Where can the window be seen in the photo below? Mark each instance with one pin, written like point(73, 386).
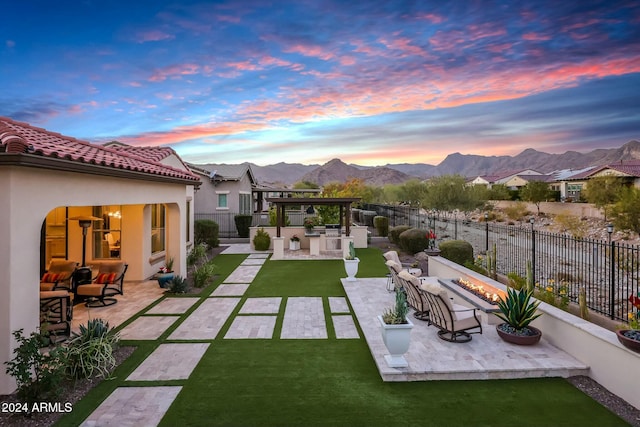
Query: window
point(157, 228)
point(222, 201)
point(245, 203)
point(106, 233)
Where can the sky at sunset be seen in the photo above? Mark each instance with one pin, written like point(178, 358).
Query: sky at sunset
point(369, 82)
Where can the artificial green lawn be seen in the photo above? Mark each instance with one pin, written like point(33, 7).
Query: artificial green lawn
point(334, 382)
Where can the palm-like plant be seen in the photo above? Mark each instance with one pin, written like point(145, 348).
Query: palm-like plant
point(517, 309)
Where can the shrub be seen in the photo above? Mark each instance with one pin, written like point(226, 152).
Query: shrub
point(273, 217)
point(90, 353)
point(382, 225)
point(572, 224)
point(206, 231)
point(203, 274)
point(197, 254)
point(458, 251)
point(37, 375)
point(413, 240)
point(516, 211)
point(243, 222)
point(261, 240)
point(395, 232)
point(178, 285)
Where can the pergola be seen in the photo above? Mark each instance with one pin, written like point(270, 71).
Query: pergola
point(343, 202)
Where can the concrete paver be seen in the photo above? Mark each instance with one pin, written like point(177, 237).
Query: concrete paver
point(173, 306)
point(245, 327)
point(206, 321)
point(170, 362)
point(147, 327)
point(304, 318)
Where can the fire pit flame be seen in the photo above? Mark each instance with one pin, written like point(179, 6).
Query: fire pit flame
point(492, 296)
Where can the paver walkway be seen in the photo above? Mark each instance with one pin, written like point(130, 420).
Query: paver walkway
point(303, 318)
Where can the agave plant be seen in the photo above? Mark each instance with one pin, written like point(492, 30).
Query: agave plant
point(517, 309)
point(397, 315)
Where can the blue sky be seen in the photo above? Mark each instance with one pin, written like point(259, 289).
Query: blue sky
point(308, 81)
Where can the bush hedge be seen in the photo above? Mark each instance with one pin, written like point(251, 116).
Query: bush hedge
point(382, 225)
point(395, 232)
point(262, 240)
point(206, 231)
point(413, 240)
point(458, 251)
point(243, 222)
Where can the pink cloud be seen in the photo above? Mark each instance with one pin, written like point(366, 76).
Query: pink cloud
point(152, 36)
point(431, 17)
point(174, 71)
point(312, 51)
point(535, 37)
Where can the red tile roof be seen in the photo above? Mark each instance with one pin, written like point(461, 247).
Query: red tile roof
point(629, 167)
point(17, 137)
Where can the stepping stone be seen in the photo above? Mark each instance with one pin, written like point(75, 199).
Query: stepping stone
point(173, 306)
point(170, 362)
point(243, 274)
point(230, 290)
point(253, 261)
point(206, 321)
point(344, 327)
point(245, 327)
point(304, 318)
point(258, 256)
point(147, 327)
point(338, 305)
point(266, 305)
point(133, 406)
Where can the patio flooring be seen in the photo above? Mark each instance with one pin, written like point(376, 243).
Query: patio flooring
point(485, 357)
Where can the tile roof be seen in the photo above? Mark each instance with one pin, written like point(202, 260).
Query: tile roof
point(22, 138)
point(629, 167)
point(225, 172)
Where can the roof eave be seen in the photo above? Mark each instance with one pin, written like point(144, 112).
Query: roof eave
point(30, 160)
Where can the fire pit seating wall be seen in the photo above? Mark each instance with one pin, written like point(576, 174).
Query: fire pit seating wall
point(610, 363)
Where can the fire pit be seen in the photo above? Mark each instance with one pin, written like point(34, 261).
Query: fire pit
point(486, 292)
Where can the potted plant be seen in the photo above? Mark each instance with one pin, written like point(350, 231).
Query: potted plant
point(309, 223)
point(431, 249)
point(518, 311)
point(629, 336)
point(351, 263)
point(165, 274)
point(396, 331)
point(294, 243)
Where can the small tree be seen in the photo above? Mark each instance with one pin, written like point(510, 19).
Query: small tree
point(626, 212)
point(604, 192)
point(536, 192)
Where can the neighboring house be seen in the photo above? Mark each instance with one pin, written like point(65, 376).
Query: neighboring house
point(225, 188)
point(628, 171)
point(142, 199)
point(511, 179)
point(516, 182)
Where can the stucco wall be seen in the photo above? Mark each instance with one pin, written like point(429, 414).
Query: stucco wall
point(28, 194)
point(574, 209)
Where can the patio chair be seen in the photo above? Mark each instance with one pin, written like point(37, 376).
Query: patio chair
point(108, 282)
point(58, 276)
point(453, 321)
point(56, 312)
point(415, 298)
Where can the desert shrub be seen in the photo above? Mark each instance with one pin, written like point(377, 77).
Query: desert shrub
point(243, 222)
point(572, 225)
point(90, 352)
point(382, 225)
point(197, 254)
point(395, 232)
point(262, 240)
point(203, 274)
point(516, 211)
point(178, 285)
point(206, 231)
point(516, 281)
point(458, 251)
point(413, 240)
point(38, 375)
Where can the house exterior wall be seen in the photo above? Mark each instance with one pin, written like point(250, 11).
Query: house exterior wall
point(29, 194)
point(206, 198)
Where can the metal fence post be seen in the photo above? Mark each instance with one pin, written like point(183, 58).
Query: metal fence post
point(533, 252)
point(486, 233)
point(613, 279)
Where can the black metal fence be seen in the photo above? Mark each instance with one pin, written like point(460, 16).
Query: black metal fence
point(227, 224)
point(608, 271)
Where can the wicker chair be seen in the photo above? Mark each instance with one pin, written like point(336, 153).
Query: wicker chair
point(108, 282)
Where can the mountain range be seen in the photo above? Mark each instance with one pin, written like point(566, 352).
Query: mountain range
point(468, 165)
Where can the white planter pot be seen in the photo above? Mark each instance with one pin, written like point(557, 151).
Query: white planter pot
point(397, 339)
point(351, 267)
point(293, 245)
